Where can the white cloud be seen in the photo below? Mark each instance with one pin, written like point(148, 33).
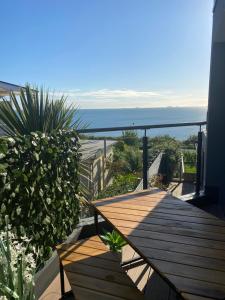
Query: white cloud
point(124, 98)
point(112, 94)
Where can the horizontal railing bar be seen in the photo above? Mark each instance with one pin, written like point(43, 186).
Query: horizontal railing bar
point(141, 127)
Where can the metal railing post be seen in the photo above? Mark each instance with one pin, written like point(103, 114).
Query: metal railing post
point(199, 164)
point(145, 161)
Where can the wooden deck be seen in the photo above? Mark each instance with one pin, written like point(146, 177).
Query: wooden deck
point(95, 273)
point(183, 244)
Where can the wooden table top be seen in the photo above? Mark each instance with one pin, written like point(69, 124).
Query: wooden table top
point(182, 243)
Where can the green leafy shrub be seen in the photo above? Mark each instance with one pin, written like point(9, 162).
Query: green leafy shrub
point(122, 184)
point(190, 142)
point(171, 149)
point(130, 138)
point(114, 241)
point(190, 157)
point(126, 159)
point(39, 187)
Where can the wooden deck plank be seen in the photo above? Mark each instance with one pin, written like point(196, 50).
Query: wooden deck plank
point(174, 211)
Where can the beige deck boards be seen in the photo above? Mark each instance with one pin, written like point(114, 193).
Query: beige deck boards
point(182, 243)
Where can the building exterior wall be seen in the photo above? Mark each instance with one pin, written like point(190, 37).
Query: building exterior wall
point(215, 162)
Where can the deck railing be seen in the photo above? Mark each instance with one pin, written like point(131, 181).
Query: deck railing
point(145, 128)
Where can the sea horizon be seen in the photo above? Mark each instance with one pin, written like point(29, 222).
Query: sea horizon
point(120, 117)
point(157, 107)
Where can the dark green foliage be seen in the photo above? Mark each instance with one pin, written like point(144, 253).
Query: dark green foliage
point(39, 187)
point(114, 241)
point(130, 138)
point(191, 141)
point(171, 149)
point(34, 111)
point(190, 157)
point(126, 160)
point(122, 184)
point(133, 161)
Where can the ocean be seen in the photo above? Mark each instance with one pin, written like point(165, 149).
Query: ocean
point(96, 118)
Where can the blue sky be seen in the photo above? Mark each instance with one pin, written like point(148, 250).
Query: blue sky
point(110, 53)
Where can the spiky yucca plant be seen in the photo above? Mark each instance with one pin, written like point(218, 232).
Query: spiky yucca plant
point(34, 110)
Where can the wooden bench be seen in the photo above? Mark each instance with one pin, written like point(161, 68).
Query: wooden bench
point(94, 272)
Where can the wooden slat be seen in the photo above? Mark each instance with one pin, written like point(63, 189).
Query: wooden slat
point(111, 288)
point(95, 271)
point(164, 222)
point(88, 251)
point(186, 259)
point(179, 248)
point(197, 287)
point(181, 235)
point(151, 194)
point(194, 297)
point(101, 261)
point(89, 244)
point(166, 216)
point(166, 229)
point(152, 201)
point(84, 293)
point(183, 270)
point(127, 232)
point(174, 211)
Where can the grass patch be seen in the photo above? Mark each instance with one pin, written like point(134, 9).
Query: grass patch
point(189, 169)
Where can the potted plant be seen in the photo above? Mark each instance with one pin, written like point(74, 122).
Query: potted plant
point(114, 241)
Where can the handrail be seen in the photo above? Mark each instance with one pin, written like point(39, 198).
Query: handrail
point(141, 127)
point(145, 144)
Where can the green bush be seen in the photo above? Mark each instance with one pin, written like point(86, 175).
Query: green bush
point(126, 159)
point(171, 149)
point(39, 187)
point(122, 184)
point(190, 142)
point(190, 157)
point(130, 138)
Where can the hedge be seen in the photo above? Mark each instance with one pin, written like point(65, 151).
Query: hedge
point(39, 187)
